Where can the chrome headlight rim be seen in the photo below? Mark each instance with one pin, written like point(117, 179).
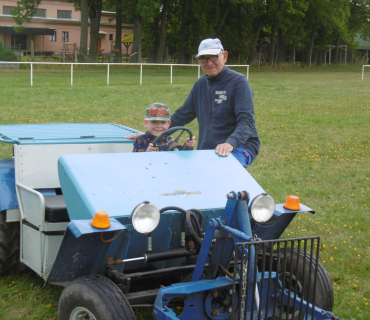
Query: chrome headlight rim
point(265, 202)
point(145, 213)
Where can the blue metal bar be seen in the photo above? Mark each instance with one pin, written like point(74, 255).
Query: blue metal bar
point(206, 246)
point(318, 314)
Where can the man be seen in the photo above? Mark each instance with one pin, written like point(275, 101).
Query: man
point(222, 101)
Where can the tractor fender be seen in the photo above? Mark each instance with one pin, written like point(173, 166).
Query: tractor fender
point(8, 195)
point(84, 250)
point(275, 227)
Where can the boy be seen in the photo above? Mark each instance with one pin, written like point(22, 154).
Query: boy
point(157, 120)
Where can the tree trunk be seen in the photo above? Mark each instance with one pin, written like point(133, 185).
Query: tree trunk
point(184, 22)
point(222, 22)
point(318, 61)
point(337, 50)
point(162, 33)
point(292, 52)
point(275, 26)
point(118, 50)
point(152, 57)
point(84, 30)
point(315, 58)
point(253, 45)
point(95, 15)
point(310, 48)
point(138, 36)
point(280, 46)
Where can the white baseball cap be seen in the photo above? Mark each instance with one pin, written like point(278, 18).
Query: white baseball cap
point(210, 46)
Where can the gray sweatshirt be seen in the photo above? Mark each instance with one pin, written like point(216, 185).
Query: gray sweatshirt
point(224, 108)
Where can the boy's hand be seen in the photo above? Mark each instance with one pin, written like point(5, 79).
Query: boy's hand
point(134, 135)
point(151, 148)
point(190, 143)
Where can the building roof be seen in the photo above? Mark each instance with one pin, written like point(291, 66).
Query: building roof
point(27, 30)
point(70, 21)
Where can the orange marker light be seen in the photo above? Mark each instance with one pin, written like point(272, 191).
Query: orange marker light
point(101, 220)
point(292, 203)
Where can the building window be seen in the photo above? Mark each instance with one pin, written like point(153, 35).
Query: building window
point(40, 13)
point(6, 10)
point(111, 37)
point(65, 35)
point(64, 14)
point(53, 37)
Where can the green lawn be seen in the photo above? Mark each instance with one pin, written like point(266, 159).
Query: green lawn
point(314, 129)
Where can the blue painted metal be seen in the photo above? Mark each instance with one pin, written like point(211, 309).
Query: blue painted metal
point(112, 183)
point(117, 183)
point(275, 227)
point(164, 241)
point(8, 196)
point(206, 246)
point(63, 133)
point(229, 218)
point(82, 256)
point(318, 313)
point(80, 227)
point(192, 294)
point(198, 294)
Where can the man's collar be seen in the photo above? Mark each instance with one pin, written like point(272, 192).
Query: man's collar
point(219, 76)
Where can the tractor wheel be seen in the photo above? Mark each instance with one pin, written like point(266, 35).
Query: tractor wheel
point(324, 295)
point(94, 297)
point(9, 247)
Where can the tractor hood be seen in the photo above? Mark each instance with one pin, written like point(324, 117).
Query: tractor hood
point(117, 183)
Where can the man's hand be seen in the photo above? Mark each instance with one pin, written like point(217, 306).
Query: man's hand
point(151, 148)
point(224, 149)
point(134, 135)
point(190, 143)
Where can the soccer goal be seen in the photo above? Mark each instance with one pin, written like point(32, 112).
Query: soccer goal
point(363, 70)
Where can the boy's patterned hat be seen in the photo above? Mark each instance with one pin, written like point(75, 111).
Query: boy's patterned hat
point(157, 111)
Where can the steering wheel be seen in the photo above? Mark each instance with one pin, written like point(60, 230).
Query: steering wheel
point(173, 144)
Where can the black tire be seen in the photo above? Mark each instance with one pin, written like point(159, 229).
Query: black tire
point(324, 295)
point(97, 296)
point(9, 247)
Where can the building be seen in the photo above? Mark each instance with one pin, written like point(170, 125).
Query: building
point(363, 47)
point(55, 22)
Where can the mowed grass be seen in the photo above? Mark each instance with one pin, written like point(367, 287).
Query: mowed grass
point(315, 143)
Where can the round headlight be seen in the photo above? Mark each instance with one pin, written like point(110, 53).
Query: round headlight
point(262, 207)
point(145, 217)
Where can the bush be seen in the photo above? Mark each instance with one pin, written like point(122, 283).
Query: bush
point(8, 55)
point(1, 47)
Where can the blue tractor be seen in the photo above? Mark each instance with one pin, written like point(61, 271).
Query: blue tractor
point(189, 234)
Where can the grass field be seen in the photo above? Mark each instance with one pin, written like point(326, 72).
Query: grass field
point(314, 129)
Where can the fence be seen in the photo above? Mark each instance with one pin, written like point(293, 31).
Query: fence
point(119, 64)
point(363, 70)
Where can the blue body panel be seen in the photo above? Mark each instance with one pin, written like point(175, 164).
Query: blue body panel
point(65, 133)
point(8, 196)
point(80, 227)
point(117, 183)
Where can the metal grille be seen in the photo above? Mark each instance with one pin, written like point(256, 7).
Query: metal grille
point(271, 277)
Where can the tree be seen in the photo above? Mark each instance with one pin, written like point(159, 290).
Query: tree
point(95, 15)
point(84, 29)
point(24, 11)
point(141, 12)
point(118, 44)
point(184, 22)
point(162, 33)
